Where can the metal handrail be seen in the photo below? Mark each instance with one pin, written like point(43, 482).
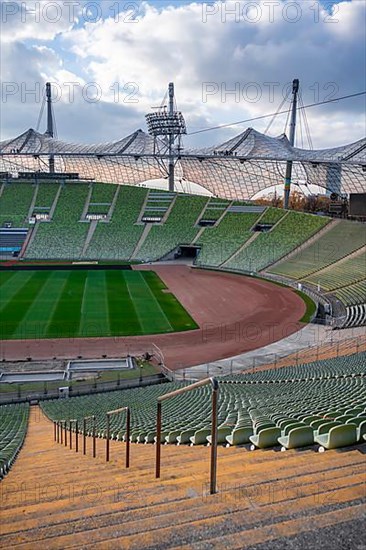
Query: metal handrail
point(127, 436)
point(64, 430)
point(92, 417)
point(74, 421)
point(215, 394)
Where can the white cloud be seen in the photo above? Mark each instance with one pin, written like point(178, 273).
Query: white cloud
point(175, 44)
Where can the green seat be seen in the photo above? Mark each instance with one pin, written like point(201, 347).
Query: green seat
point(355, 411)
point(310, 419)
point(239, 436)
point(259, 427)
point(344, 418)
point(286, 430)
point(316, 423)
point(266, 438)
point(222, 433)
point(298, 437)
point(357, 420)
point(338, 436)
point(200, 436)
point(150, 437)
point(325, 427)
point(141, 437)
point(185, 436)
point(172, 436)
point(286, 422)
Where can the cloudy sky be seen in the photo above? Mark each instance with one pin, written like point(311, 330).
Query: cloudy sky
point(111, 61)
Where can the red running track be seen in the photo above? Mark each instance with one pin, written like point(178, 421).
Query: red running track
point(235, 314)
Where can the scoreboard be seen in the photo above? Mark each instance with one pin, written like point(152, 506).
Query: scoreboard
point(357, 205)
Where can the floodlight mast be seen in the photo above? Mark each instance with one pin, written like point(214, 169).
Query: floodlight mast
point(171, 125)
point(295, 90)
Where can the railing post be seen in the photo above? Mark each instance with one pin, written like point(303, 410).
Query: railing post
point(158, 441)
point(128, 428)
point(107, 441)
point(213, 469)
point(76, 436)
point(58, 432)
point(94, 441)
point(61, 431)
point(65, 426)
point(54, 430)
point(84, 436)
point(70, 421)
point(214, 430)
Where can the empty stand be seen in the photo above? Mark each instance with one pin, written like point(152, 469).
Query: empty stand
point(13, 427)
point(325, 389)
point(342, 239)
point(291, 231)
point(15, 202)
point(64, 236)
point(68, 499)
point(177, 229)
point(117, 239)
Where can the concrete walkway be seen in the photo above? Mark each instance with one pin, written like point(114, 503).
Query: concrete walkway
point(310, 336)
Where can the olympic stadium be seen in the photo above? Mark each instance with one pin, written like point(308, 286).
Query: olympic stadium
point(160, 347)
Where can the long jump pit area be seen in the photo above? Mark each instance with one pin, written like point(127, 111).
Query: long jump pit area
point(235, 314)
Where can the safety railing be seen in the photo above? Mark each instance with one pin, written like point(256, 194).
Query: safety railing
point(127, 436)
point(74, 421)
point(215, 396)
point(60, 433)
point(85, 420)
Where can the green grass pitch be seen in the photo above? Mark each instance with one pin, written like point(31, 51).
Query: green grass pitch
point(87, 303)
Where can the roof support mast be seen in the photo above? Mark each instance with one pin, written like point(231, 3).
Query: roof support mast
point(50, 131)
point(295, 90)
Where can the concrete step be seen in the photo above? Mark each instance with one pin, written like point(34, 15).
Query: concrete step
point(58, 498)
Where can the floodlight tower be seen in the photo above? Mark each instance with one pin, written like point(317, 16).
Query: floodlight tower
point(171, 126)
point(295, 90)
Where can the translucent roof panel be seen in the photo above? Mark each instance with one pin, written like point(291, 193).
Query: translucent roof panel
point(237, 169)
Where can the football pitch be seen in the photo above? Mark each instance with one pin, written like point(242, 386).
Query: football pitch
point(87, 303)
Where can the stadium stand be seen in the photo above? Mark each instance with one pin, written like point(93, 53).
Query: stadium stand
point(292, 230)
point(117, 239)
point(239, 236)
point(302, 396)
point(353, 294)
point(221, 241)
point(46, 194)
point(157, 204)
point(15, 202)
point(214, 209)
point(262, 501)
point(341, 240)
point(344, 273)
point(266, 222)
point(179, 228)
point(64, 236)
point(101, 198)
point(13, 427)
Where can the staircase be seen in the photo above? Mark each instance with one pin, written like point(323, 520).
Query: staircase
point(55, 498)
point(91, 231)
point(141, 240)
